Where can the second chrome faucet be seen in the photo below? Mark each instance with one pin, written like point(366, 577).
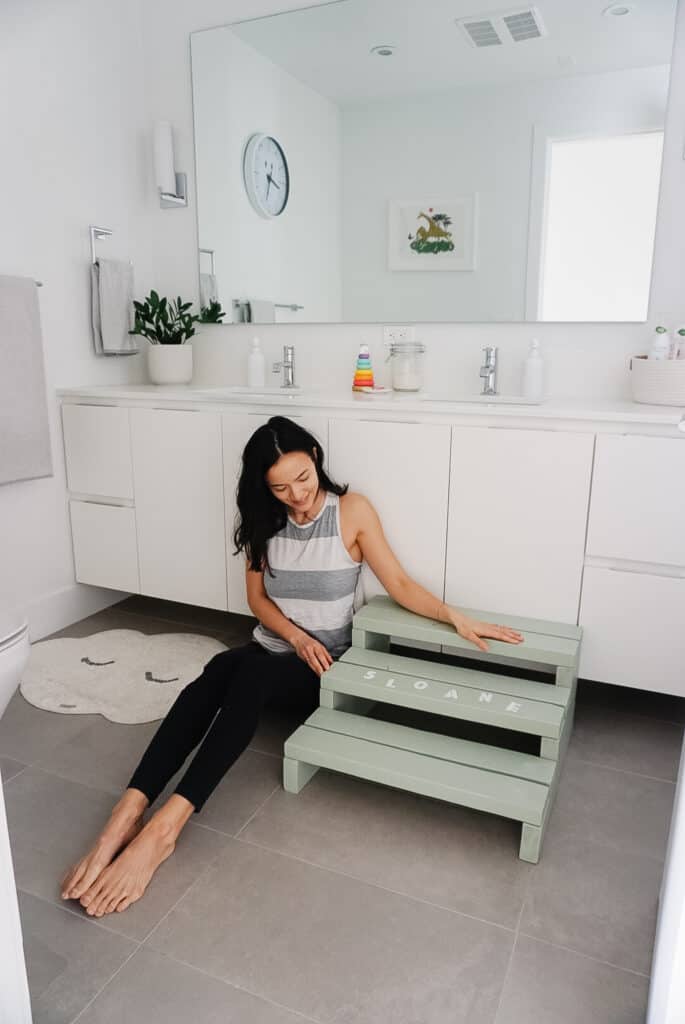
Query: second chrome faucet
point(287, 364)
point(488, 371)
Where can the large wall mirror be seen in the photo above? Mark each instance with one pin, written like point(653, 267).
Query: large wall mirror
point(432, 160)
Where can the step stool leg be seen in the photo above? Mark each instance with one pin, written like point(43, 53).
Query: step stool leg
point(296, 774)
point(370, 641)
point(531, 843)
point(549, 748)
point(564, 676)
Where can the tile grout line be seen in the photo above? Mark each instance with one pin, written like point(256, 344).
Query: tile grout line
point(206, 869)
point(621, 771)
point(234, 835)
point(513, 947)
point(257, 810)
point(375, 885)
point(586, 956)
point(235, 985)
point(585, 704)
point(108, 982)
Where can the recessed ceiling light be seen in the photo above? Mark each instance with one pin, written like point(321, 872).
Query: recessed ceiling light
point(384, 50)
point(618, 10)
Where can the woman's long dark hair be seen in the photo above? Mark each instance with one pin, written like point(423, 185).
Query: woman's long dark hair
point(261, 514)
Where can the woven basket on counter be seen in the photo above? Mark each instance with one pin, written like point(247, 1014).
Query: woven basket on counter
point(658, 381)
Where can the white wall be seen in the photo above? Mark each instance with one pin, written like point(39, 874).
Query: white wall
point(295, 257)
point(458, 143)
point(80, 84)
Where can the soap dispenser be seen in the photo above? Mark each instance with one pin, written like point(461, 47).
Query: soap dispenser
point(256, 366)
point(534, 373)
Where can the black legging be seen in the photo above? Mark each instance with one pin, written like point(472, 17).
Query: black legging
point(237, 684)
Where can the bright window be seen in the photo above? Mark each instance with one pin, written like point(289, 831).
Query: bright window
point(598, 233)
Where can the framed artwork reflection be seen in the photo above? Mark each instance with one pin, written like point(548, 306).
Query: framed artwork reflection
point(432, 234)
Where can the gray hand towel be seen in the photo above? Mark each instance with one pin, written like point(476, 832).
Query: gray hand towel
point(208, 290)
point(112, 307)
point(24, 429)
point(261, 311)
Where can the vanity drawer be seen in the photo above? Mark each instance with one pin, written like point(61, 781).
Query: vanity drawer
point(638, 500)
point(105, 548)
point(633, 631)
point(97, 448)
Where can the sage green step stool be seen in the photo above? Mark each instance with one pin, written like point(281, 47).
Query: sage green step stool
point(340, 737)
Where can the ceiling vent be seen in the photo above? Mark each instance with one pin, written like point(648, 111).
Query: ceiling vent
point(504, 27)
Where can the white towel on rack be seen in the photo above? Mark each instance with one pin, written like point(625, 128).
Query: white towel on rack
point(25, 452)
point(261, 311)
point(208, 290)
point(112, 307)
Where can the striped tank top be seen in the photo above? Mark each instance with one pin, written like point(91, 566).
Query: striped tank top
point(316, 582)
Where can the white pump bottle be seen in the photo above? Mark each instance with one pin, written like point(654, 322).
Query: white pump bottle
point(534, 373)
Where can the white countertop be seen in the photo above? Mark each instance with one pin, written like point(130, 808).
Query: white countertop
point(394, 405)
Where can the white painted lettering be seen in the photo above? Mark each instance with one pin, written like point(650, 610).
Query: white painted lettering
point(514, 706)
point(369, 675)
point(452, 694)
point(391, 684)
point(420, 684)
point(485, 698)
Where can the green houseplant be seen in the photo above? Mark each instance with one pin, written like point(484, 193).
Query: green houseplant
point(211, 314)
point(167, 325)
point(163, 322)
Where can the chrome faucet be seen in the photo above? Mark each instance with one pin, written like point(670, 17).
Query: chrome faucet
point(488, 371)
point(287, 364)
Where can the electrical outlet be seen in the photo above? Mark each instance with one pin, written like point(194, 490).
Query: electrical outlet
point(398, 332)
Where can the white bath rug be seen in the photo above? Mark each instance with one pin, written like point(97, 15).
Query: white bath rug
point(125, 675)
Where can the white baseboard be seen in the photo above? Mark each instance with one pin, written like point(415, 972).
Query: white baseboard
point(60, 609)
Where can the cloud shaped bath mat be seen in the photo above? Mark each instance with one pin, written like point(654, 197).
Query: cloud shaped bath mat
point(127, 676)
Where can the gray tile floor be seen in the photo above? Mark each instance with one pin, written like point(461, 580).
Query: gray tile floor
point(351, 903)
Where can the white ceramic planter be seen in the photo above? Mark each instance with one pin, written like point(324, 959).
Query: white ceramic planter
point(170, 364)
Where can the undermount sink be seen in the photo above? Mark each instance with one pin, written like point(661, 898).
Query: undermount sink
point(273, 392)
point(483, 399)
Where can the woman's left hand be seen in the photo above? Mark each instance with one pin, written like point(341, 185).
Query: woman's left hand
point(473, 630)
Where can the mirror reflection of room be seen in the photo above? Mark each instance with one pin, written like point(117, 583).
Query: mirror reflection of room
point(426, 160)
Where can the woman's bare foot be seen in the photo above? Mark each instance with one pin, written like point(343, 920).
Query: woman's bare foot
point(125, 880)
point(126, 821)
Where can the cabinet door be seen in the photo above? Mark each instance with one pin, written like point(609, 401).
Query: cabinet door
point(179, 505)
point(403, 469)
point(637, 511)
point(97, 450)
point(517, 519)
point(105, 550)
point(633, 630)
point(237, 430)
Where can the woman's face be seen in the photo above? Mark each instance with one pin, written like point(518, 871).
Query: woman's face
point(293, 480)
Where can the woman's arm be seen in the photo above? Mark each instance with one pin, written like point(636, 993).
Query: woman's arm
point(408, 592)
point(306, 647)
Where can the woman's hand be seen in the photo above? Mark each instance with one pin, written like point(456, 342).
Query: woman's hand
point(312, 652)
point(473, 630)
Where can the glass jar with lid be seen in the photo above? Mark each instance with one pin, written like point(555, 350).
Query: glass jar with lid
point(407, 365)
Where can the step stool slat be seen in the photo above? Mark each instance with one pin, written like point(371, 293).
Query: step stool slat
point(382, 615)
point(446, 748)
point(471, 787)
point(426, 694)
point(544, 627)
point(510, 685)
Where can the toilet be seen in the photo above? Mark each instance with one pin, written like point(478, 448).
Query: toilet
point(14, 652)
point(15, 1003)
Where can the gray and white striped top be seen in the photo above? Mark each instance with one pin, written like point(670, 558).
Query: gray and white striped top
point(315, 582)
